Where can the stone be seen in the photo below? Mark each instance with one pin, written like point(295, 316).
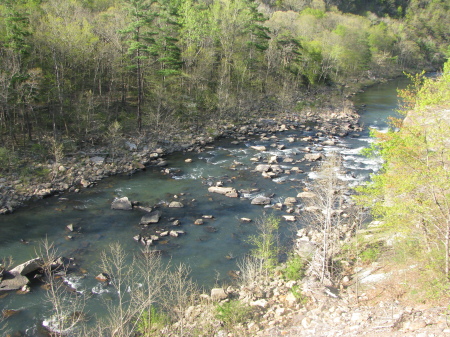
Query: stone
point(306, 195)
point(122, 204)
point(290, 201)
point(151, 218)
point(28, 267)
point(261, 200)
point(173, 234)
point(70, 227)
point(246, 220)
point(188, 160)
point(176, 204)
point(13, 281)
point(258, 147)
point(97, 160)
point(274, 159)
point(218, 294)
point(262, 168)
point(289, 217)
point(260, 303)
point(199, 222)
point(313, 156)
point(130, 146)
point(227, 191)
point(6, 313)
point(102, 277)
point(291, 299)
point(329, 142)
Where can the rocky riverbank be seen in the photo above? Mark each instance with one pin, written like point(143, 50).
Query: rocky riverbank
point(84, 169)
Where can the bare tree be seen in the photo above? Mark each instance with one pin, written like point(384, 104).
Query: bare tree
point(324, 214)
point(138, 283)
point(181, 292)
point(67, 306)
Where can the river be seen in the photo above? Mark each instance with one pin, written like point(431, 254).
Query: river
point(207, 248)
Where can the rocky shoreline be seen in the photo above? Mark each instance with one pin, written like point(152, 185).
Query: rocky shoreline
point(84, 169)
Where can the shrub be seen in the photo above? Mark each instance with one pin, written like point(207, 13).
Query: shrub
point(151, 321)
point(295, 268)
point(232, 313)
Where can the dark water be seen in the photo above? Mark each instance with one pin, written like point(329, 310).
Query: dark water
point(204, 248)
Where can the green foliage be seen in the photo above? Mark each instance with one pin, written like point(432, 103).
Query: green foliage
point(295, 268)
point(232, 313)
point(370, 254)
point(412, 193)
point(8, 160)
point(70, 68)
point(151, 321)
point(296, 291)
point(265, 242)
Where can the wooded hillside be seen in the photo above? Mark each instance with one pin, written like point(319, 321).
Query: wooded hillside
point(69, 70)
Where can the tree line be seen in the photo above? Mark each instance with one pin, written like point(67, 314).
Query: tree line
point(70, 69)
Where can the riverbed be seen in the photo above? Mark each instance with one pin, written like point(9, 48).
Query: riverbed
point(212, 249)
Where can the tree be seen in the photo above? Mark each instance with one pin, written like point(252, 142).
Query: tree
point(411, 194)
point(324, 213)
point(141, 38)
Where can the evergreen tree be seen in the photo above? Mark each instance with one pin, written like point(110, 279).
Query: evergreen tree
point(141, 41)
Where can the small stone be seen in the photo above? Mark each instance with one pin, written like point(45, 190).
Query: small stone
point(102, 277)
point(259, 303)
point(198, 222)
point(188, 160)
point(176, 204)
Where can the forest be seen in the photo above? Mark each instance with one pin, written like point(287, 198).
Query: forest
point(73, 70)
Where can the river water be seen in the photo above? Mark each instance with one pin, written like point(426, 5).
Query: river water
point(207, 248)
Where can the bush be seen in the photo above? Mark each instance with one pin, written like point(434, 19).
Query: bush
point(295, 268)
point(151, 321)
point(232, 313)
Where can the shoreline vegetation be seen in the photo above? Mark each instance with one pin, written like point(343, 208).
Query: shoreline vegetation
point(111, 77)
point(91, 89)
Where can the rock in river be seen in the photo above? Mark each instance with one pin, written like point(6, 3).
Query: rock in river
point(122, 204)
point(176, 204)
point(261, 201)
point(227, 191)
point(151, 218)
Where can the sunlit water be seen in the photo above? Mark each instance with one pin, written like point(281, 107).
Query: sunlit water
point(206, 248)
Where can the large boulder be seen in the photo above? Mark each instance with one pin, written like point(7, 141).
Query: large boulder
point(13, 281)
point(151, 218)
point(122, 204)
point(28, 267)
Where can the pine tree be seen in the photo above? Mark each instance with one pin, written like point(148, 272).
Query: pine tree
point(141, 44)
